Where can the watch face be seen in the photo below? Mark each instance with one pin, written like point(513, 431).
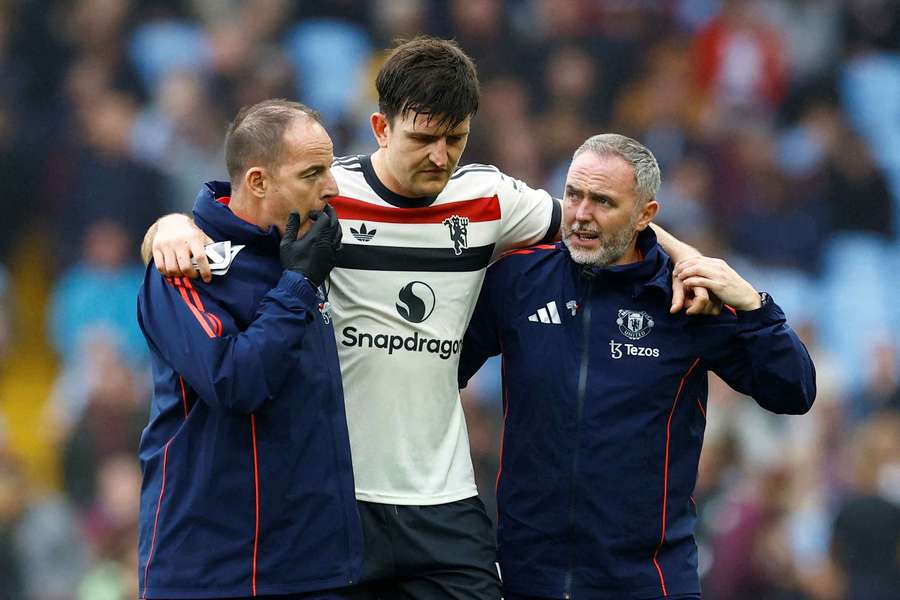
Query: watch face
point(764, 298)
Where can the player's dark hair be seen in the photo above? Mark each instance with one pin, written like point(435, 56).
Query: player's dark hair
point(256, 135)
point(431, 77)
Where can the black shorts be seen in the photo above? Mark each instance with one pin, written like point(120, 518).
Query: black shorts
point(440, 552)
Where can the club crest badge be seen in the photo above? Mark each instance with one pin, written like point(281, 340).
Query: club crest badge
point(459, 232)
point(634, 324)
point(325, 309)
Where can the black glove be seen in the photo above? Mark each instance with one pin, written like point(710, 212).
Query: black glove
point(313, 254)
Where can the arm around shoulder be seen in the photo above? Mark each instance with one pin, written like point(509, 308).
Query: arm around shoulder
point(173, 242)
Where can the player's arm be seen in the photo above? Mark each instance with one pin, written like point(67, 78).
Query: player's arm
point(172, 242)
point(482, 339)
point(528, 216)
point(760, 354)
point(189, 328)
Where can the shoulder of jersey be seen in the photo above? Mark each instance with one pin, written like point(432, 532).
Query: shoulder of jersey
point(474, 169)
point(348, 163)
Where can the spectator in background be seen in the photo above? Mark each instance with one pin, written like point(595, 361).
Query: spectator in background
point(92, 175)
point(98, 293)
point(44, 532)
point(110, 421)
point(881, 391)
point(856, 194)
point(685, 202)
point(866, 533)
point(739, 61)
point(180, 135)
point(110, 527)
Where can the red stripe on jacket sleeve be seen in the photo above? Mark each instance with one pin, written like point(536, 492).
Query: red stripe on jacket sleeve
point(195, 305)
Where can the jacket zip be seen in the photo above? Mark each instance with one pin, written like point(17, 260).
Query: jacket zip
point(322, 294)
point(582, 392)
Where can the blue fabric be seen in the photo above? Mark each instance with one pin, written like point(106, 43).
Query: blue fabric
point(605, 415)
point(248, 485)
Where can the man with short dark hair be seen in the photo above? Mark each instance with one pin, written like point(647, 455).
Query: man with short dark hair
point(419, 236)
point(604, 390)
point(246, 457)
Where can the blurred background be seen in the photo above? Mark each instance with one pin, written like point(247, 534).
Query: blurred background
point(777, 126)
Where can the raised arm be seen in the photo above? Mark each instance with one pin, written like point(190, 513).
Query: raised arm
point(172, 242)
point(762, 356)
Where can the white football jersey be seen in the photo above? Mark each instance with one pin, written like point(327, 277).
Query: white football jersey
point(401, 295)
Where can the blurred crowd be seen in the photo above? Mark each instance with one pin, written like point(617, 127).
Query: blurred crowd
point(777, 127)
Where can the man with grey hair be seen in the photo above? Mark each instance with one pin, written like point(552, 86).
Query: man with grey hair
point(604, 389)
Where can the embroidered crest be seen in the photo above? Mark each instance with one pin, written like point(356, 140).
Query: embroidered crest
point(634, 324)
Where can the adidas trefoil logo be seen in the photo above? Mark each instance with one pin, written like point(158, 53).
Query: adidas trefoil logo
point(363, 234)
point(546, 314)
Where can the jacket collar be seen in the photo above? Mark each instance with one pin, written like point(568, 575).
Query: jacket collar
point(651, 272)
point(219, 223)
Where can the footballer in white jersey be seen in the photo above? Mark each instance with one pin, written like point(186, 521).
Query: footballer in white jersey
point(402, 293)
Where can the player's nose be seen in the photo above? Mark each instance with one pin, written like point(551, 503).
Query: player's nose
point(438, 153)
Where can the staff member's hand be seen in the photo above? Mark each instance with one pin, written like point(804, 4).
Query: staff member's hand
point(695, 301)
point(715, 275)
point(312, 255)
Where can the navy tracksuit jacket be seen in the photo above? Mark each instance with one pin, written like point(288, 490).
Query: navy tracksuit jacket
point(248, 484)
point(604, 397)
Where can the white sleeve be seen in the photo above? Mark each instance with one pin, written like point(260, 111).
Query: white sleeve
point(527, 216)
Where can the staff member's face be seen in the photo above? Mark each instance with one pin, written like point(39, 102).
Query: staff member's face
point(301, 181)
point(419, 155)
point(602, 213)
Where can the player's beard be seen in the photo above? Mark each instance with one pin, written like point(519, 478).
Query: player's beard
point(612, 245)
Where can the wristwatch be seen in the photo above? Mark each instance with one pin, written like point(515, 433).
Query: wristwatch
point(764, 299)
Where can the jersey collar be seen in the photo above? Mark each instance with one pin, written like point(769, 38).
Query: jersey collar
point(387, 195)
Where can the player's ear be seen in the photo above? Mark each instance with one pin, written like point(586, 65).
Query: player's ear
point(380, 127)
point(648, 213)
